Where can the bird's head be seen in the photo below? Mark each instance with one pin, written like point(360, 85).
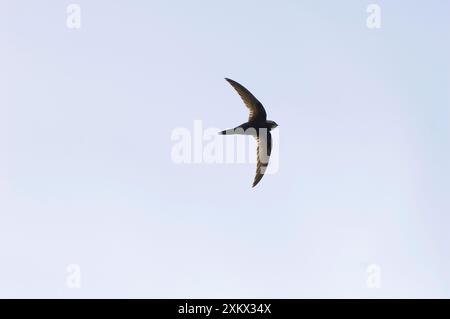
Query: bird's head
point(273, 124)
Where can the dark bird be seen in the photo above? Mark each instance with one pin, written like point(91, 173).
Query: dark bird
point(257, 126)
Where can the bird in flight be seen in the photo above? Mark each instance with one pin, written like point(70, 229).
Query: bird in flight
point(257, 126)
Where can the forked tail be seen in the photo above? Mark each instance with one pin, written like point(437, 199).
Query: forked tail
point(230, 131)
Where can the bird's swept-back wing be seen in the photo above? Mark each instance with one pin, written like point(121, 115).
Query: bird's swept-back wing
point(263, 150)
point(256, 109)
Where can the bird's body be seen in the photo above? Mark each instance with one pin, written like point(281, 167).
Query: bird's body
point(249, 126)
point(257, 126)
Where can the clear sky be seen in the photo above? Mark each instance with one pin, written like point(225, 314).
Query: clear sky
point(87, 178)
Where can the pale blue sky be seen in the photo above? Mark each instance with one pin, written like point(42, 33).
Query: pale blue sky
point(86, 175)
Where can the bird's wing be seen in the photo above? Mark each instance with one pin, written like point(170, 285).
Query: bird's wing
point(263, 150)
point(256, 109)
